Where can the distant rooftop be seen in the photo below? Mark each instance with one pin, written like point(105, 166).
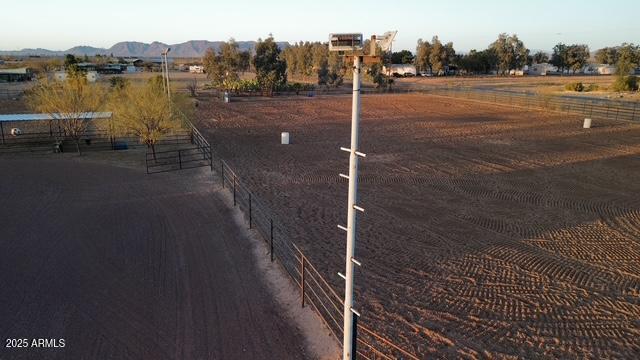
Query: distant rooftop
point(15, 71)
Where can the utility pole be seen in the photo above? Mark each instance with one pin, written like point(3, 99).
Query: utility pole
point(351, 45)
point(165, 71)
point(351, 211)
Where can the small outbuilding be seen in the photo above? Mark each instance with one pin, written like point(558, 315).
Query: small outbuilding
point(13, 75)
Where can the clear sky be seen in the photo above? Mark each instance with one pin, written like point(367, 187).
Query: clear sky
point(61, 24)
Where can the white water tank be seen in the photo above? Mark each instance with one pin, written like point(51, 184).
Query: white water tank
point(587, 124)
point(284, 138)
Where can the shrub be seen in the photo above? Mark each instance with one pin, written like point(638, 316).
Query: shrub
point(592, 87)
point(118, 82)
point(577, 86)
point(295, 87)
point(626, 83)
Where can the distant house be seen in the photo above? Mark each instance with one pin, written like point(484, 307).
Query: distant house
point(92, 76)
point(400, 70)
point(134, 62)
point(196, 69)
point(604, 69)
point(13, 75)
point(541, 69)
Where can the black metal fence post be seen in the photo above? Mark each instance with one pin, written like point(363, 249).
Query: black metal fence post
point(271, 221)
point(180, 158)
point(354, 339)
point(234, 190)
point(302, 279)
point(2, 131)
point(211, 158)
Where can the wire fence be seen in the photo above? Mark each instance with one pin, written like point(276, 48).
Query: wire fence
point(315, 291)
point(593, 108)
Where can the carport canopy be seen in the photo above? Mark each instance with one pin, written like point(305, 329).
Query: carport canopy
point(55, 116)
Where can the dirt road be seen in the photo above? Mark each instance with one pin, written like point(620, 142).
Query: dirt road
point(123, 265)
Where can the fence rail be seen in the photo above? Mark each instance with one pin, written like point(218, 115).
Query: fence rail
point(93, 140)
point(596, 109)
point(199, 155)
point(315, 291)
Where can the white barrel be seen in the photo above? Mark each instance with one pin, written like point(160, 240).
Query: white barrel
point(284, 138)
point(587, 124)
point(226, 97)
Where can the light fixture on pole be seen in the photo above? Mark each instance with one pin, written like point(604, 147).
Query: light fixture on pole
point(352, 45)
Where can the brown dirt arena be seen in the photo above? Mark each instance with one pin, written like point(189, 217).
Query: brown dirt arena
point(124, 265)
point(488, 232)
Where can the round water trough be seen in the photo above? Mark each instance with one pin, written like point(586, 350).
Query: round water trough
point(285, 139)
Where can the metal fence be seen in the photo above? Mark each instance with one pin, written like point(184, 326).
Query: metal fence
point(315, 291)
point(94, 140)
point(593, 108)
point(199, 155)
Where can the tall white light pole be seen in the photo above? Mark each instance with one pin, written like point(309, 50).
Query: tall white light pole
point(352, 46)
point(352, 205)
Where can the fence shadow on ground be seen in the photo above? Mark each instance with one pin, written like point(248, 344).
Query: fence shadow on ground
point(314, 289)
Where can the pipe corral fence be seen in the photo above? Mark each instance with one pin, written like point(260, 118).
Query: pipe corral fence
point(593, 108)
point(315, 291)
point(39, 133)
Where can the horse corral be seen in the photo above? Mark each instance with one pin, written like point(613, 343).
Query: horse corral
point(489, 231)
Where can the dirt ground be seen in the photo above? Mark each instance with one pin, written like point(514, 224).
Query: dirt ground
point(489, 232)
point(124, 265)
point(542, 85)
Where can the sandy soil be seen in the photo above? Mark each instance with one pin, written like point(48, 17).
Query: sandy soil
point(122, 265)
point(543, 85)
point(488, 232)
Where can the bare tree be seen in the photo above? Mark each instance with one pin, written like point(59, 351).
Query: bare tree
point(192, 86)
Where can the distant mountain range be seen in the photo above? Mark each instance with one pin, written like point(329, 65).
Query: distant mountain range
point(189, 49)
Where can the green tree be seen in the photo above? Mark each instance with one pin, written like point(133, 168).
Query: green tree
point(271, 70)
point(436, 55)
point(628, 58)
point(607, 55)
point(244, 61)
point(378, 77)
point(70, 62)
point(559, 56)
point(511, 53)
point(540, 57)
point(230, 59)
point(423, 55)
point(402, 57)
point(577, 57)
point(336, 69)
